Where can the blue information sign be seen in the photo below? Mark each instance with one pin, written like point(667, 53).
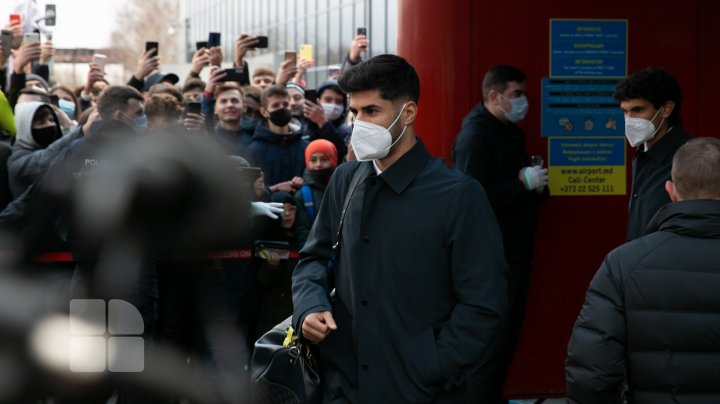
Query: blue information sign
point(580, 107)
point(588, 48)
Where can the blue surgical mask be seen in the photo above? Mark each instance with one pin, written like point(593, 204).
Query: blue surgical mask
point(140, 121)
point(68, 107)
point(518, 108)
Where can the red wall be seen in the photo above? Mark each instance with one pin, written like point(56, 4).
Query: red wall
point(453, 43)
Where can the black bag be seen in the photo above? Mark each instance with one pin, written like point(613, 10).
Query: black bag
point(284, 369)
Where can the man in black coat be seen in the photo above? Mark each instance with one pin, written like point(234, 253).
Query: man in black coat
point(490, 148)
point(420, 276)
point(651, 101)
point(651, 317)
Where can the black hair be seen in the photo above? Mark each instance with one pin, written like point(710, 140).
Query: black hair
point(193, 84)
point(42, 113)
point(272, 91)
point(655, 85)
point(115, 98)
point(392, 75)
point(498, 77)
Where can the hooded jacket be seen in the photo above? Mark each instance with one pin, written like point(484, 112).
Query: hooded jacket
point(281, 157)
point(29, 160)
point(652, 315)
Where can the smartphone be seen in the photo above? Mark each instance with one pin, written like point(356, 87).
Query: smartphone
point(201, 44)
point(50, 15)
point(306, 51)
point(311, 95)
point(99, 59)
point(262, 42)
point(193, 108)
point(213, 39)
point(15, 18)
point(6, 39)
point(152, 45)
point(31, 37)
point(236, 74)
point(362, 31)
point(292, 56)
point(54, 99)
point(264, 248)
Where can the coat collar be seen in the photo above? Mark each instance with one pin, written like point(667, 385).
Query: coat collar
point(669, 143)
point(399, 175)
point(695, 218)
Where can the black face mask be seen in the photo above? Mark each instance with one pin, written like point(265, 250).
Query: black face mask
point(281, 117)
point(322, 176)
point(45, 136)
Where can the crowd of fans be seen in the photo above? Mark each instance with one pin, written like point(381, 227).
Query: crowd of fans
point(287, 138)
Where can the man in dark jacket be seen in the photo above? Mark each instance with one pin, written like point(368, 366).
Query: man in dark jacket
point(490, 148)
point(651, 317)
point(651, 101)
point(275, 148)
point(39, 139)
point(326, 118)
point(420, 277)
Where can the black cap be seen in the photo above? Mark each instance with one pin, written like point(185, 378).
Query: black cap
point(155, 78)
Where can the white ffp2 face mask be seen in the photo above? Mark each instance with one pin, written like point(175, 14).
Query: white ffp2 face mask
point(371, 141)
point(332, 111)
point(639, 131)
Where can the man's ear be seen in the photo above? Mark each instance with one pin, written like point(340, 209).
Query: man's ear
point(264, 112)
point(672, 192)
point(410, 113)
point(668, 109)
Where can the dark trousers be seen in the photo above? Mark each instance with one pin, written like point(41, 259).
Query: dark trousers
point(486, 381)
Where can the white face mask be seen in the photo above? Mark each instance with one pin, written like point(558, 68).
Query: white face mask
point(371, 141)
point(332, 111)
point(639, 131)
point(518, 108)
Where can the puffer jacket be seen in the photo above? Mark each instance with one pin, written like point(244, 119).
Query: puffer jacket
point(652, 315)
point(29, 160)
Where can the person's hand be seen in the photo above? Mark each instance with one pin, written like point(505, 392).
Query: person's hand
point(302, 66)
point(47, 50)
point(216, 56)
point(273, 259)
point(285, 186)
point(314, 113)
point(194, 122)
point(17, 31)
point(28, 52)
point(286, 71)
point(147, 63)
point(64, 121)
point(200, 59)
point(94, 117)
point(269, 209)
point(94, 75)
point(297, 183)
point(317, 326)
point(216, 74)
point(534, 177)
point(357, 47)
point(243, 44)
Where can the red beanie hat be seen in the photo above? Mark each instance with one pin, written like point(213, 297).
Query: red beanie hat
point(321, 146)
